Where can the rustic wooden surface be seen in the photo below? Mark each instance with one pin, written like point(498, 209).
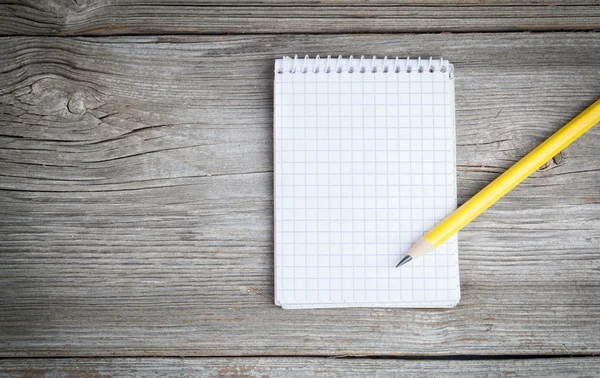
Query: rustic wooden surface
point(136, 201)
point(118, 17)
point(295, 367)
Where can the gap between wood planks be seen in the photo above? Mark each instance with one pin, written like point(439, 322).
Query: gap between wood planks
point(460, 357)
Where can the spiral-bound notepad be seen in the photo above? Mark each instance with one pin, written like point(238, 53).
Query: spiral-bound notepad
point(364, 165)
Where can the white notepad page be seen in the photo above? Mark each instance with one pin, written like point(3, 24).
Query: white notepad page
point(365, 164)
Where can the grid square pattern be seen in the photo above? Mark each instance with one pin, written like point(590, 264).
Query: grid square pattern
point(364, 166)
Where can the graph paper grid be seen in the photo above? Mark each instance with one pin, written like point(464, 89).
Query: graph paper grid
point(364, 165)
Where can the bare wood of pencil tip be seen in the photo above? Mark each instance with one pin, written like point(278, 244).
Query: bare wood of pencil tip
point(504, 183)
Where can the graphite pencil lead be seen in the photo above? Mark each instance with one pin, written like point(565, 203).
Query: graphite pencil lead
point(404, 260)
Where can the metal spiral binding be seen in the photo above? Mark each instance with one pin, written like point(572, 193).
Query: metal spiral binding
point(335, 65)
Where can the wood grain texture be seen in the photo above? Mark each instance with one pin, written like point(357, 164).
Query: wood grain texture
point(136, 200)
point(296, 367)
point(119, 17)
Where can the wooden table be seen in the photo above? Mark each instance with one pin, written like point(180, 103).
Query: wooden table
point(136, 227)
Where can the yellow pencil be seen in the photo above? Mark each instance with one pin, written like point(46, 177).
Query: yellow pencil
point(504, 183)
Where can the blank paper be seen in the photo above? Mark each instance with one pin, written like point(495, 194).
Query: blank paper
point(364, 165)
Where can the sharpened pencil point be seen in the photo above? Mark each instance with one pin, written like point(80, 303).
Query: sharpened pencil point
point(404, 260)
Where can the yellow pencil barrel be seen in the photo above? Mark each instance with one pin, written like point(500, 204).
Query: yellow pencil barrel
point(514, 175)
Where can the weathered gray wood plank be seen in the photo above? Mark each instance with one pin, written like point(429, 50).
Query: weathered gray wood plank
point(59, 17)
point(136, 200)
point(296, 367)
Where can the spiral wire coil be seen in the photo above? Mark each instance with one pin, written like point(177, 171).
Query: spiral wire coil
point(362, 65)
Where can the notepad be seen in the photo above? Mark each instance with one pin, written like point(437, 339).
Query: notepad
point(365, 164)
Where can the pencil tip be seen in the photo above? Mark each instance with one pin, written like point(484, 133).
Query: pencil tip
point(404, 260)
